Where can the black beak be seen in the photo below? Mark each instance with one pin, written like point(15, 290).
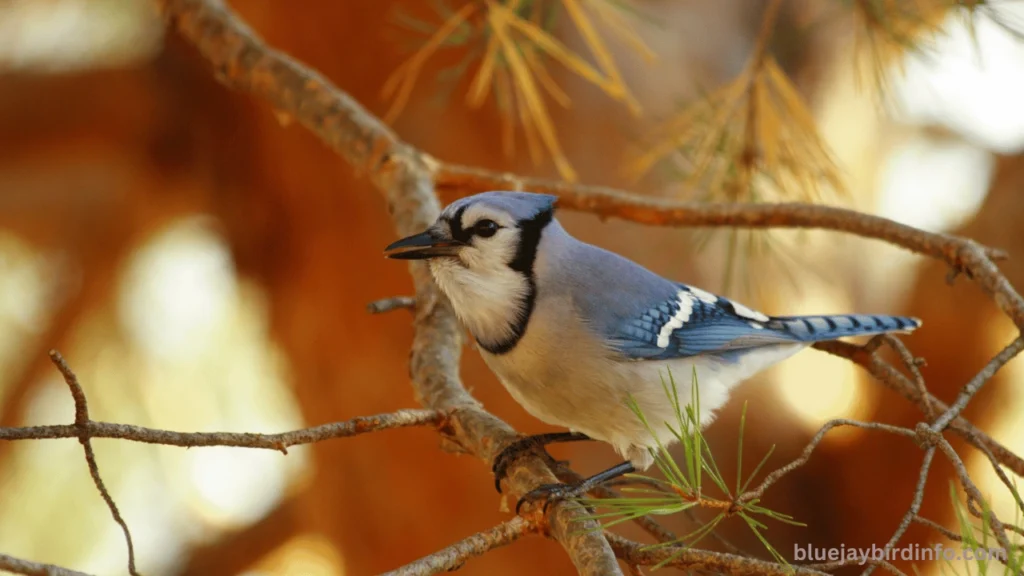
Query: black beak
point(422, 246)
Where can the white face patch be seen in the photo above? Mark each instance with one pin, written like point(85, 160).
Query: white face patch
point(756, 326)
point(678, 319)
point(703, 296)
point(486, 293)
point(478, 212)
point(748, 313)
point(489, 256)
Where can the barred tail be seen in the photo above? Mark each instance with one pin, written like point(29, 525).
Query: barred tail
point(819, 328)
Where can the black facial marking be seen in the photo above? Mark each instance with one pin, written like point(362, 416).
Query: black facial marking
point(526, 253)
point(455, 224)
point(529, 239)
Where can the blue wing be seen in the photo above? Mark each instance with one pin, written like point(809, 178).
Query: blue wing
point(696, 322)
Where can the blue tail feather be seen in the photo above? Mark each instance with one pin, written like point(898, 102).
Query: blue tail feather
point(819, 328)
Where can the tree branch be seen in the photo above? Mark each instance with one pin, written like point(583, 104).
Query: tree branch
point(279, 442)
point(454, 556)
point(19, 566)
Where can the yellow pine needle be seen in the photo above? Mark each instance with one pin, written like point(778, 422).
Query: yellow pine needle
point(533, 100)
point(404, 77)
point(678, 132)
point(503, 93)
point(885, 30)
point(481, 84)
point(600, 52)
point(555, 49)
point(618, 25)
point(815, 154)
point(529, 131)
point(545, 79)
point(768, 126)
point(791, 100)
point(707, 147)
point(752, 140)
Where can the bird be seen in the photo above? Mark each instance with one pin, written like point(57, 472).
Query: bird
point(575, 332)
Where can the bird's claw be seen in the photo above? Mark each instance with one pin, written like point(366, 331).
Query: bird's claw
point(550, 493)
point(509, 455)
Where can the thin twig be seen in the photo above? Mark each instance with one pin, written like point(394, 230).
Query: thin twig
point(279, 442)
point(82, 427)
point(774, 477)
point(693, 559)
point(1002, 476)
point(889, 376)
point(956, 537)
point(389, 304)
point(915, 507)
point(998, 528)
point(979, 380)
point(454, 556)
point(19, 566)
point(914, 366)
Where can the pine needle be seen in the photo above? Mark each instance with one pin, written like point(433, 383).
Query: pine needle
point(534, 102)
point(682, 486)
point(404, 77)
point(512, 40)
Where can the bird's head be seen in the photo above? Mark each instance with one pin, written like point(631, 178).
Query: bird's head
point(482, 251)
point(482, 232)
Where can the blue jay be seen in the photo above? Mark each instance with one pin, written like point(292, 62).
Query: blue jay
point(571, 329)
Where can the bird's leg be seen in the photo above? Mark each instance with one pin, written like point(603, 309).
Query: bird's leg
point(554, 492)
point(528, 444)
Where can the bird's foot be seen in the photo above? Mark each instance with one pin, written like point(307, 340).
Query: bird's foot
point(550, 494)
point(509, 455)
point(530, 444)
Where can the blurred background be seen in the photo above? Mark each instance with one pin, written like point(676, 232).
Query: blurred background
point(205, 266)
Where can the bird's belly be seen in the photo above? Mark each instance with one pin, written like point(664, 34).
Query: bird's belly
point(594, 399)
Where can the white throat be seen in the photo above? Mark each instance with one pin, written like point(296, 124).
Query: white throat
point(488, 296)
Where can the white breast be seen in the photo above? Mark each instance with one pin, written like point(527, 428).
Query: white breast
point(586, 391)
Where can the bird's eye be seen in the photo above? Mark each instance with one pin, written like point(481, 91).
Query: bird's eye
point(486, 228)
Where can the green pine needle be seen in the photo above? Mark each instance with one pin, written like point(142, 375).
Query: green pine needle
point(683, 487)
